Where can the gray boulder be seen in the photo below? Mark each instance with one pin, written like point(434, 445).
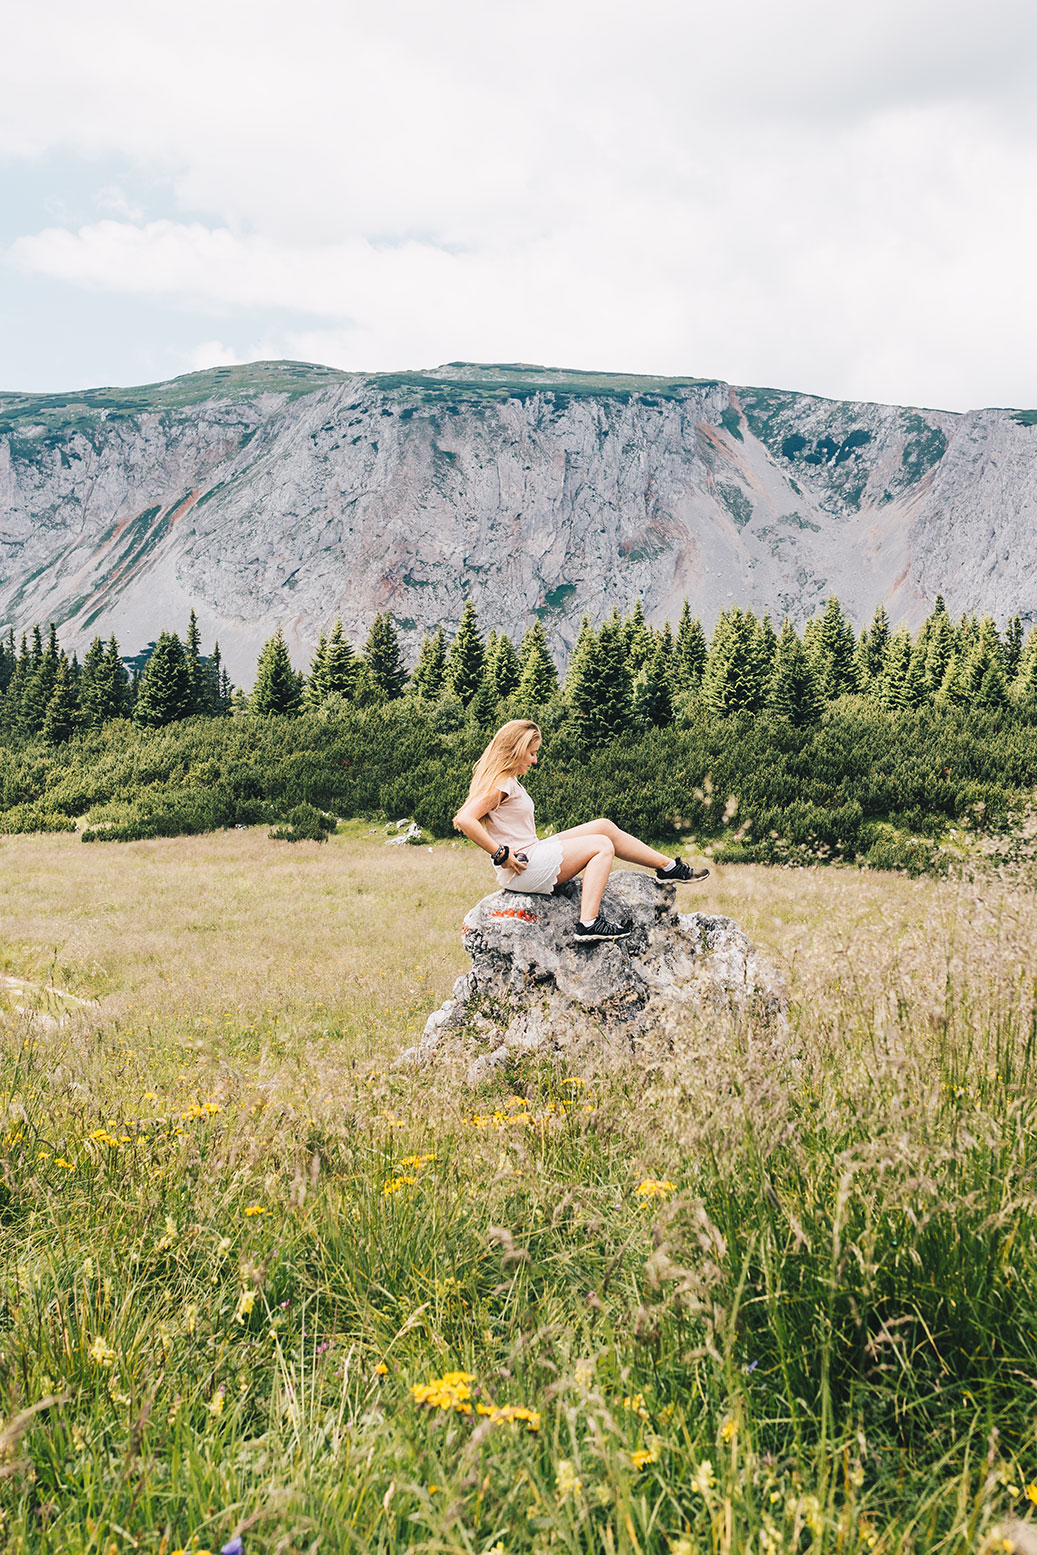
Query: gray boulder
point(532, 988)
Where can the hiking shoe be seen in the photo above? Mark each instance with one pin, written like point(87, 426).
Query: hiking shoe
point(602, 928)
point(680, 873)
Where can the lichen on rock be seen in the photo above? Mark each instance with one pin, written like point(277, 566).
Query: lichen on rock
point(534, 989)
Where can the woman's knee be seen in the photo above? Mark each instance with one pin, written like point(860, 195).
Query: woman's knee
point(606, 848)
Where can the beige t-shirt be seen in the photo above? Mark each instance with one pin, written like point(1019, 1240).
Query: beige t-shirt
point(511, 820)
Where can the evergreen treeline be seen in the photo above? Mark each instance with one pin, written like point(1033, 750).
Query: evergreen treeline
point(868, 746)
point(623, 676)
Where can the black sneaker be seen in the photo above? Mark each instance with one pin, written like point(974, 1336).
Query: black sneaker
point(680, 873)
point(602, 928)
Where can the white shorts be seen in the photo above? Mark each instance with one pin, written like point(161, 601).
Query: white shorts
point(540, 875)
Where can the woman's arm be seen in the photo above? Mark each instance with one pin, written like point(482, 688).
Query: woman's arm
point(470, 817)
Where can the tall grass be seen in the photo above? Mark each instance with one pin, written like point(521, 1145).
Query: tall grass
point(738, 1305)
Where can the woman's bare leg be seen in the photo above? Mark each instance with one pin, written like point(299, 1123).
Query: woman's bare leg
point(626, 847)
point(593, 854)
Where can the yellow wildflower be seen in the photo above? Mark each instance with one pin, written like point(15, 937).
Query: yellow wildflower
point(511, 1413)
point(256, 1209)
point(642, 1458)
point(246, 1301)
point(653, 1188)
point(703, 1480)
point(59, 1160)
point(212, 1107)
point(451, 1391)
point(584, 1374)
point(417, 1161)
point(100, 1352)
point(574, 1080)
point(167, 1240)
point(394, 1184)
point(381, 1370)
point(567, 1481)
point(635, 1402)
point(728, 1429)
point(1031, 1493)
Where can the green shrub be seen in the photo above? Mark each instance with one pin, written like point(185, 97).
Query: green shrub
point(305, 824)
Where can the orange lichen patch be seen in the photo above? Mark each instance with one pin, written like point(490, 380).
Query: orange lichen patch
point(514, 912)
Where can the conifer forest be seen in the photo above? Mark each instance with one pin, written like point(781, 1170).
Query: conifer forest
point(896, 748)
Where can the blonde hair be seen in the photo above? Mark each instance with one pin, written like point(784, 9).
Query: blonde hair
point(500, 760)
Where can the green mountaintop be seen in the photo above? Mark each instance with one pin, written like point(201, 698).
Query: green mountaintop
point(456, 381)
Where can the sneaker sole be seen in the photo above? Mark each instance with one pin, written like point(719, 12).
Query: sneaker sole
point(691, 880)
point(586, 939)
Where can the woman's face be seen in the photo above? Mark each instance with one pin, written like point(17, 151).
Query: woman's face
point(529, 759)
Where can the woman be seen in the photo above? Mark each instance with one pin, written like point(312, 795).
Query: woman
point(498, 815)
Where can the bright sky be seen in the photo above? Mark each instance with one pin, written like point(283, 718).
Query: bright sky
point(808, 195)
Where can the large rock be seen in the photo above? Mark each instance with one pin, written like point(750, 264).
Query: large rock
point(533, 988)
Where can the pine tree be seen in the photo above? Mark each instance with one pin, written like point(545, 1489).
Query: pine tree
point(983, 653)
point(939, 650)
point(598, 684)
point(341, 667)
point(583, 643)
point(11, 711)
point(992, 692)
point(466, 661)
point(163, 691)
point(871, 651)
point(952, 692)
point(383, 658)
point(651, 701)
point(277, 688)
point(901, 684)
point(62, 715)
point(638, 638)
point(219, 691)
point(793, 691)
point(503, 668)
point(314, 693)
point(427, 679)
point(196, 695)
point(765, 646)
point(1011, 648)
point(538, 681)
point(1024, 686)
point(731, 680)
point(8, 660)
point(690, 653)
point(831, 644)
point(334, 668)
point(91, 686)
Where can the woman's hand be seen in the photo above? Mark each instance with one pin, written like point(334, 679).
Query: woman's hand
point(518, 862)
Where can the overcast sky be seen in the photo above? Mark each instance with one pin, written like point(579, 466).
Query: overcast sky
point(830, 198)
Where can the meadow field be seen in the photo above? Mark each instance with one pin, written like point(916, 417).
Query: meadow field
point(261, 1290)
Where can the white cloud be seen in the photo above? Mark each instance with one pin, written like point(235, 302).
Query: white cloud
point(211, 353)
point(822, 198)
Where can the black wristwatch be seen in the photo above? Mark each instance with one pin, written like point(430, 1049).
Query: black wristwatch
point(501, 855)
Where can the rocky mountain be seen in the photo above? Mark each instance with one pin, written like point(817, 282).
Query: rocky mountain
point(282, 492)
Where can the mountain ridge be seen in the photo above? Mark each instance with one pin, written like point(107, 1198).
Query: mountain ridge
point(292, 492)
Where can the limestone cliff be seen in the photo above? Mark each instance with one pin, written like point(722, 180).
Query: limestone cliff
point(285, 492)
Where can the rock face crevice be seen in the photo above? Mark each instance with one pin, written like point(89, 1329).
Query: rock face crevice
point(533, 989)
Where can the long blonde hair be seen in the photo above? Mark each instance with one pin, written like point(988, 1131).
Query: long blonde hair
point(500, 760)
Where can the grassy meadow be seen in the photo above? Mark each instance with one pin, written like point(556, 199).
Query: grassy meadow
point(256, 1284)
